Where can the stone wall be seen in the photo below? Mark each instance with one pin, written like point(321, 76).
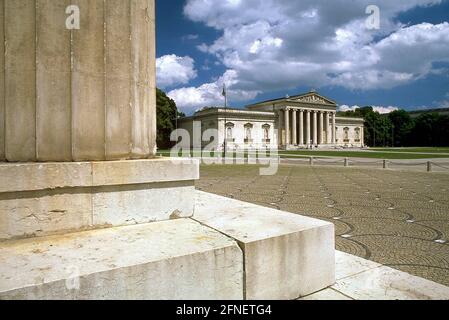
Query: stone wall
point(77, 95)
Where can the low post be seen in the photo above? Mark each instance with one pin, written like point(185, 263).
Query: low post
point(385, 165)
point(312, 161)
point(429, 166)
point(346, 162)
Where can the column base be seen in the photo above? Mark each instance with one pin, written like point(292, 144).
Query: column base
point(39, 199)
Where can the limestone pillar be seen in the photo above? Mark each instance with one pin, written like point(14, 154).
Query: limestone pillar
point(328, 135)
point(301, 127)
point(334, 125)
point(295, 127)
point(280, 128)
point(307, 128)
point(287, 126)
point(71, 99)
point(315, 129)
point(77, 95)
point(321, 128)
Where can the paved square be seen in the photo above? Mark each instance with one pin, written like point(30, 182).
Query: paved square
point(396, 218)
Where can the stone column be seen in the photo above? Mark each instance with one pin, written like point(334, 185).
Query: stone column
point(287, 126)
point(72, 101)
point(295, 127)
point(78, 95)
point(315, 129)
point(301, 127)
point(321, 125)
point(307, 128)
point(328, 135)
point(280, 128)
point(334, 125)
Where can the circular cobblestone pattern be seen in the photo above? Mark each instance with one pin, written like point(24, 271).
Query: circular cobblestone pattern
point(396, 218)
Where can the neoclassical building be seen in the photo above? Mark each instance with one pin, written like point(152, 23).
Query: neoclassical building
point(303, 121)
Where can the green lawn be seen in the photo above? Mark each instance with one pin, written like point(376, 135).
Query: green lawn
point(364, 154)
point(422, 150)
point(347, 154)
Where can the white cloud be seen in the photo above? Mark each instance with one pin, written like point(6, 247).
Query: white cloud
point(281, 44)
point(172, 70)
point(385, 110)
point(345, 108)
point(190, 99)
point(381, 110)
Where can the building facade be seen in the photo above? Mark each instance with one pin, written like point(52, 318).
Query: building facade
point(304, 121)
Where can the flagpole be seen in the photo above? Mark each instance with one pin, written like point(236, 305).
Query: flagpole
point(225, 94)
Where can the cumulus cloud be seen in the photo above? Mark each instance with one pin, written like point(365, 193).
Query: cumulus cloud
point(381, 110)
point(271, 45)
point(172, 70)
point(190, 99)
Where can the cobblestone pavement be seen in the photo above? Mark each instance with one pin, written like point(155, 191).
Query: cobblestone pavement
point(396, 218)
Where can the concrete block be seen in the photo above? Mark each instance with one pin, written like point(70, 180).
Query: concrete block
point(144, 171)
point(37, 213)
point(347, 265)
point(48, 198)
point(44, 176)
point(385, 283)
point(327, 295)
point(178, 259)
point(286, 255)
point(143, 203)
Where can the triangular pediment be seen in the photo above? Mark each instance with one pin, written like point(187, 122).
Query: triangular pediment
point(313, 98)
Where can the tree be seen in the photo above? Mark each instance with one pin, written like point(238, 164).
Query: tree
point(167, 113)
point(402, 127)
point(431, 129)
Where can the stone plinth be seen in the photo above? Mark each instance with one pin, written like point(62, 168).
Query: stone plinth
point(77, 95)
point(38, 199)
point(178, 259)
point(286, 255)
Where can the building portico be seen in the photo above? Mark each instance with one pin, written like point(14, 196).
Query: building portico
point(304, 121)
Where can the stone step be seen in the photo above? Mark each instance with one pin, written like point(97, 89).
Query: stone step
point(287, 255)
point(42, 199)
point(176, 259)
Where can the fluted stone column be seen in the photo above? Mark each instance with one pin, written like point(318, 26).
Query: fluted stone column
point(301, 127)
point(280, 128)
point(74, 98)
point(308, 130)
point(77, 95)
point(321, 126)
point(315, 129)
point(295, 127)
point(334, 125)
point(328, 135)
point(287, 126)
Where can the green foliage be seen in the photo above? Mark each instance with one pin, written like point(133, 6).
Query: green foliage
point(399, 129)
point(166, 118)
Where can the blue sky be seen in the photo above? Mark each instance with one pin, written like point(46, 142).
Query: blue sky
point(264, 49)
